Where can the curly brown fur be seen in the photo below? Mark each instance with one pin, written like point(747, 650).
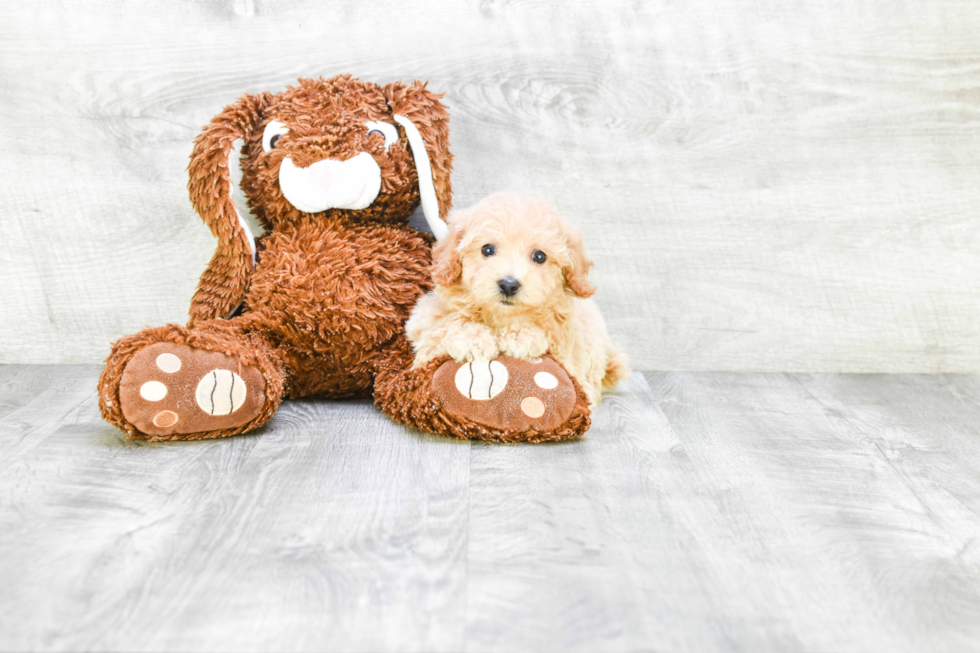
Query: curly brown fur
point(329, 293)
point(224, 282)
point(327, 289)
point(326, 121)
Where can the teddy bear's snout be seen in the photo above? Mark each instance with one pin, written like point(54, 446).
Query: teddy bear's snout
point(331, 183)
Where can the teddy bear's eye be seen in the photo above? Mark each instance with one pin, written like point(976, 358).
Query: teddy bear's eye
point(271, 135)
point(488, 250)
point(539, 257)
point(386, 129)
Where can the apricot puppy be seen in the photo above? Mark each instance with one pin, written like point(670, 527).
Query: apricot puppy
point(512, 278)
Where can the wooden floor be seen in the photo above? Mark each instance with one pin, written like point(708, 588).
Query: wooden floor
point(703, 511)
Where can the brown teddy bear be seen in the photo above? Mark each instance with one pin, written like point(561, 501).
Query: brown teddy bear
point(332, 168)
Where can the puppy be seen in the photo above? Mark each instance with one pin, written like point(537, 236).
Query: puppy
point(511, 278)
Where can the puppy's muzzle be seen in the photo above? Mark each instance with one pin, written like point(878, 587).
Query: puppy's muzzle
point(508, 286)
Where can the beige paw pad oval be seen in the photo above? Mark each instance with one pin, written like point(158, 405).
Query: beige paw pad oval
point(545, 380)
point(165, 418)
point(532, 407)
point(220, 392)
point(168, 363)
point(481, 380)
point(153, 391)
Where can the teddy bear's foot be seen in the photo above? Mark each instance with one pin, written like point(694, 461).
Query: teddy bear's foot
point(507, 394)
point(169, 389)
point(504, 400)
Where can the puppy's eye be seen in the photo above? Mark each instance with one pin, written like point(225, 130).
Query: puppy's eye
point(539, 257)
point(488, 250)
point(273, 131)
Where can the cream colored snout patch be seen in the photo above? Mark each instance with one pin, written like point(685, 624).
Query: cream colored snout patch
point(331, 184)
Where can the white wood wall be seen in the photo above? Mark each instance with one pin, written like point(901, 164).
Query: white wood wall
point(764, 185)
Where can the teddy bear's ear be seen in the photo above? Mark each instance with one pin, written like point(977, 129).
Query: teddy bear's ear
point(426, 123)
point(224, 283)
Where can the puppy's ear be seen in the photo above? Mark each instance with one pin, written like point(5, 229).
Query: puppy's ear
point(447, 268)
point(225, 281)
point(426, 123)
point(577, 270)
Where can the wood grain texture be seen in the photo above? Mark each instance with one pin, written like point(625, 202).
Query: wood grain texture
point(763, 186)
point(332, 529)
point(703, 511)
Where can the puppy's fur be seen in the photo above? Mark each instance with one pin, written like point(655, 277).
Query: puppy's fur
point(469, 317)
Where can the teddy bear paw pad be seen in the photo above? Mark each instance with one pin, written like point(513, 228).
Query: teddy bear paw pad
point(506, 393)
point(169, 388)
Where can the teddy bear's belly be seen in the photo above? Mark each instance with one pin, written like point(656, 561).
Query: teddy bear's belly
point(333, 296)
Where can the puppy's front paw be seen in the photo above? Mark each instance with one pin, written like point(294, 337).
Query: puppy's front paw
point(523, 342)
point(471, 342)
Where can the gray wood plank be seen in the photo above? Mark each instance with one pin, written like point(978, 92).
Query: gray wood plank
point(555, 532)
point(22, 384)
point(926, 431)
point(703, 511)
point(716, 512)
point(36, 401)
point(823, 537)
point(764, 186)
point(333, 529)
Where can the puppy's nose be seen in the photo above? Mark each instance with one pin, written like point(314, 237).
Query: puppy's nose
point(509, 286)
